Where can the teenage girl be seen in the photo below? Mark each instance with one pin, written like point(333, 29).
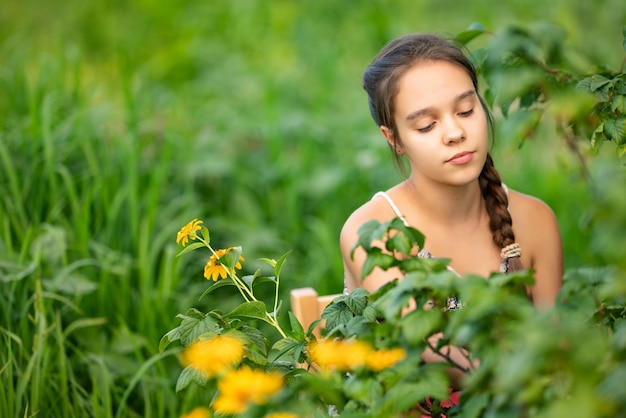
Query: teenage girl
point(423, 95)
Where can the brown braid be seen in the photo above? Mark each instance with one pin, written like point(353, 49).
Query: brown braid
point(497, 204)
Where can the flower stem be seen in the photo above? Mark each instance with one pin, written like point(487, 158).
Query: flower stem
point(248, 294)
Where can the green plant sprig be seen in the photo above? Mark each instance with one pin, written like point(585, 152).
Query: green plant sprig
point(229, 261)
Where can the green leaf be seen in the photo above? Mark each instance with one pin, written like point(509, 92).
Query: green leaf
point(474, 406)
point(615, 130)
point(255, 357)
point(477, 26)
point(368, 232)
point(367, 391)
point(231, 258)
point(619, 104)
point(359, 326)
point(285, 345)
point(279, 264)
point(194, 325)
point(216, 285)
point(422, 264)
point(167, 339)
point(420, 324)
point(256, 337)
point(598, 82)
point(205, 234)
point(599, 131)
point(518, 278)
point(391, 303)
point(584, 85)
point(474, 30)
point(356, 300)
point(414, 235)
point(376, 258)
point(256, 278)
point(297, 331)
point(337, 314)
point(406, 395)
point(269, 261)
point(383, 290)
point(399, 242)
point(254, 309)
point(190, 247)
point(188, 376)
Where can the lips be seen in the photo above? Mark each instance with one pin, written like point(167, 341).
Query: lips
point(461, 158)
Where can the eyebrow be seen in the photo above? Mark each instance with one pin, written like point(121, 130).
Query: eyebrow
point(414, 115)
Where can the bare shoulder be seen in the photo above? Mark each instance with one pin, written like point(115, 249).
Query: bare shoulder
point(374, 209)
point(529, 211)
point(537, 231)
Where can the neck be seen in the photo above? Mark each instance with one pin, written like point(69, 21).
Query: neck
point(448, 204)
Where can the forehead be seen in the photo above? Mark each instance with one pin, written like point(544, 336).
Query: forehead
point(431, 84)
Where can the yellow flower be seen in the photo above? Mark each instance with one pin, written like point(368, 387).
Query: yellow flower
point(240, 388)
point(282, 415)
point(213, 355)
point(199, 412)
point(214, 269)
point(339, 355)
point(384, 358)
point(188, 231)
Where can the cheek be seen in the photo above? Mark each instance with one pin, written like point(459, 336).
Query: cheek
point(483, 126)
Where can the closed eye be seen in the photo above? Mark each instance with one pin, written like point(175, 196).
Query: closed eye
point(467, 113)
point(426, 128)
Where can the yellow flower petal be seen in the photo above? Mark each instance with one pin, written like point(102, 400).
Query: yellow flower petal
point(339, 354)
point(188, 231)
point(229, 405)
point(384, 358)
point(214, 355)
point(214, 269)
point(240, 388)
point(199, 412)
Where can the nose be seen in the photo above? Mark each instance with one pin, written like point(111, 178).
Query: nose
point(453, 131)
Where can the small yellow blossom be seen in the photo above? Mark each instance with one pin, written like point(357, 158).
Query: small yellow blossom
point(384, 358)
point(188, 231)
point(199, 412)
point(339, 354)
point(213, 355)
point(240, 388)
point(282, 415)
point(214, 269)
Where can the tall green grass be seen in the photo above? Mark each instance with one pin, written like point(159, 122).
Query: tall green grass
point(120, 122)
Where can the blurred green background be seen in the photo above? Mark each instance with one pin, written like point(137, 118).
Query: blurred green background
point(120, 121)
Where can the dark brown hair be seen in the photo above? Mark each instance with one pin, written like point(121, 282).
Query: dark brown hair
point(380, 81)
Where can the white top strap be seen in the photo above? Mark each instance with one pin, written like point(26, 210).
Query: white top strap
point(506, 191)
point(393, 206)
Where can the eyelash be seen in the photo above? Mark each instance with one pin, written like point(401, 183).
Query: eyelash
point(462, 114)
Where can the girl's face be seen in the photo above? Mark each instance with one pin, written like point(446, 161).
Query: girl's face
point(441, 124)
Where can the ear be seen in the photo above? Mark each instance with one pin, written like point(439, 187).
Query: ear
point(391, 139)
